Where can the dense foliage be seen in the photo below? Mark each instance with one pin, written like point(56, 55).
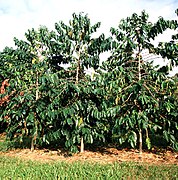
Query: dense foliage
point(52, 100)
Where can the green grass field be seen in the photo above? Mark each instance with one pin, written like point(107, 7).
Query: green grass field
point(14, 168)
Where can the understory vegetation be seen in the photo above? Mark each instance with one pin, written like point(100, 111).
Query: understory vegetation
point(48, 99)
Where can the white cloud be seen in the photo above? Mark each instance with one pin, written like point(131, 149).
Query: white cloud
point(23, 14)
point(18, 16)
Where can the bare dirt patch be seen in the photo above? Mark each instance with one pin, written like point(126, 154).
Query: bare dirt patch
point(104, 155)
point(100, 155)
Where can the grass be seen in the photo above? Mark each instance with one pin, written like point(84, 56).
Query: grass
point(14, 168)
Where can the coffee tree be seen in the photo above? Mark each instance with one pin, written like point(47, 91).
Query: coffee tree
point(75, 43)
point(27, 69)
point(136, 88)
point(51, 102)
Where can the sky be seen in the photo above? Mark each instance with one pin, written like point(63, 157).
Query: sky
point(17, 16)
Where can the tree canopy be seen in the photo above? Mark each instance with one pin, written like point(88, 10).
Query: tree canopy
point(126, 99)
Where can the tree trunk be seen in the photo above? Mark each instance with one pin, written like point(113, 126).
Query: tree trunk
point(81, 145)
point(37, 86)
point(139, 68)
point(139, 78)
point(78, 71)
point(140, 141)
point(76, 82)
point(146, 133)
point(35, 120)
point(32, 144)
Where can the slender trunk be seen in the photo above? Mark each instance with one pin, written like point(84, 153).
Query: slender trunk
point(81, 145)
point(76, 82)
point(37, 86)
point(147, 133)
point(35, 120)
point(140, 141)
point(77, 73)
point(139, 78)
point(32, 144)
point(139, 67)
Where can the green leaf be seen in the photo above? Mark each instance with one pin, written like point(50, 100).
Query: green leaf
point(166, 136)
point(69, 121)
point(148, 143)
